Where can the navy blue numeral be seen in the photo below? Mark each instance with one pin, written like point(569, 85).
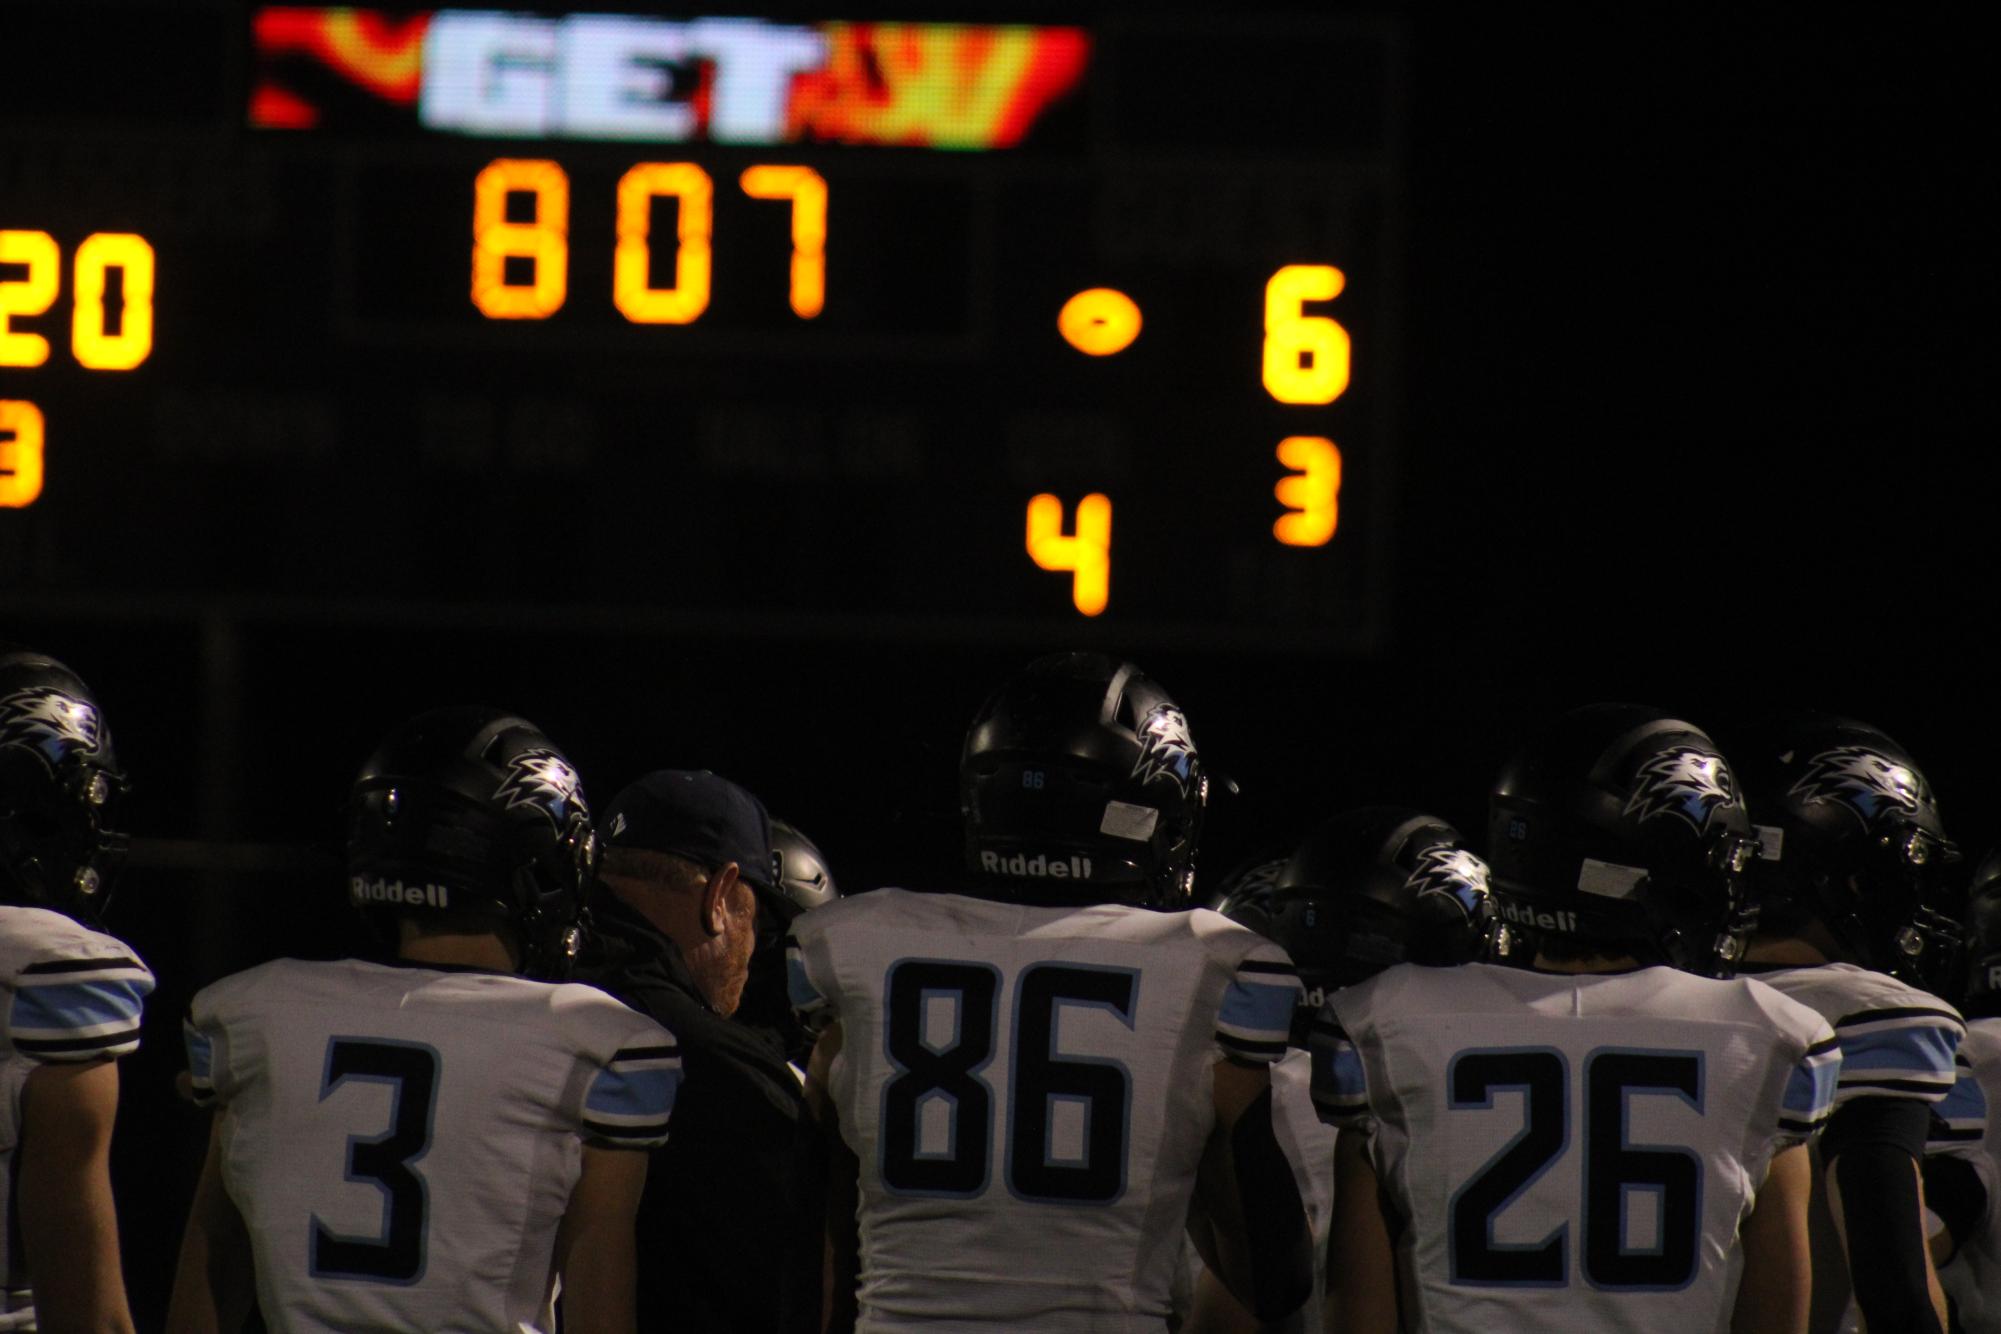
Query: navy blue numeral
point(1474, 1257)
point(951, 1072)
point(1039, 1081)
point(1614, 1169)
point(396, 1253)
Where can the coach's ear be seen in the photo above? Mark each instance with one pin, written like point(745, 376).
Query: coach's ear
point(716, 898)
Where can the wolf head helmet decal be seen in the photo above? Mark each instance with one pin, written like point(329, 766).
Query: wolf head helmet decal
point(49, 723)
point(1863, 781)
point(1688, 784)
point(1453, 872)
point(1166, 749)
point(544, 780)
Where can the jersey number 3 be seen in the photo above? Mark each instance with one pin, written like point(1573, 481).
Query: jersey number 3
point(396, 1253)
point(1669, 1177)
point(1039, 1082)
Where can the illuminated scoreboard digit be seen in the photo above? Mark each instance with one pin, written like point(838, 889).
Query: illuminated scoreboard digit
point(897, 325)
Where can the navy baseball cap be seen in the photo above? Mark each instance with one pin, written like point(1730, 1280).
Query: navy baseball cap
point(695, 814)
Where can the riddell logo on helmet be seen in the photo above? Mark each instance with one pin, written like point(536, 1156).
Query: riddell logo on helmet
point(364, 891)
point(1037, 867)
point(1522, 915)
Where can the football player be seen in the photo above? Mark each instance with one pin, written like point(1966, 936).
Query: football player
point(1039, 1078)
point(1963, 1175)
point(1612, 1141)
point(72, 999)
point(801, 881)
point(1858, 922)
point(435, 1142)
point(1367, 888)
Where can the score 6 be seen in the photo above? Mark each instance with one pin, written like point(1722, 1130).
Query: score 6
point(1305, 356)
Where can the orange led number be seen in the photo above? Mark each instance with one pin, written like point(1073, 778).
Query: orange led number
point(684, 302)
point(27, 296)
point(96, 347)
point(20, 454)
point(545, 241)
point(1311, 491)
point(807, 190)
point(1087, 553)
point(1306, 356)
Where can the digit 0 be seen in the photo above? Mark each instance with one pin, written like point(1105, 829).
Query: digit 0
point(96, 347)
point(631, 291)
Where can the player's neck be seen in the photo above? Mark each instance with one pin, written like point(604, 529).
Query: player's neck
point(1808, 947)
point(1789, 950)
point(470, 949)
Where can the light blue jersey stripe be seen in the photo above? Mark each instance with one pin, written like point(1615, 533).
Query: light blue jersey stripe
point(646, 1093)
point(1918, 1048)
point(1810, 1091)
point(69, 1006)
point(1258, 1007)
point(1966, 1102)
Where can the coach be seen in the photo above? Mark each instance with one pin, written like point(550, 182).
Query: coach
point(729, 1228)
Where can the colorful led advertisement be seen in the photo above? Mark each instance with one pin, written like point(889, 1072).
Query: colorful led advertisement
point(632, 78)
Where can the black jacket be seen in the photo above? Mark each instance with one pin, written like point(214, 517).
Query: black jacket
point(730, 1225)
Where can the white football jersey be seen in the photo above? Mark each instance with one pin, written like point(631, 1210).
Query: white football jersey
point(402, 1140)
point(1309, 1143)
point(71, 994)
point(1570, 1152)
point(1028, 1091)
point(1974, 1276)
point(1896, 1042)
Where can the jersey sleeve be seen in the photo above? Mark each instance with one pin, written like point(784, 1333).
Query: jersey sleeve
point(1254, 1021)
point(1959, 1120)
point(1898, 1051)
point(1339, 1079)
point(631, 1097)
point(1808, 1099)
point(79, 998)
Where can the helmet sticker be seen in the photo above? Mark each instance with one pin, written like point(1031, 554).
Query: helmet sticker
point(544, 780)
point(1690, 785)
point(1123, 819)
point(1166, 750)
point(48, 723)
point(1864, 781)
point(1454, 872)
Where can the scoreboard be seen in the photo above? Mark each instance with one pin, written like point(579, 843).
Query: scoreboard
point(1065, 331)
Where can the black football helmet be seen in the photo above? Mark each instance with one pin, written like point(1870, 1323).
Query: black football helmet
point(1079, 783)
point(1981, 996)
point(1377, 886)
point(472, 810)
point(1624, 828)
point(1244, 895)
point(60, 790)
point(1850, 835)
